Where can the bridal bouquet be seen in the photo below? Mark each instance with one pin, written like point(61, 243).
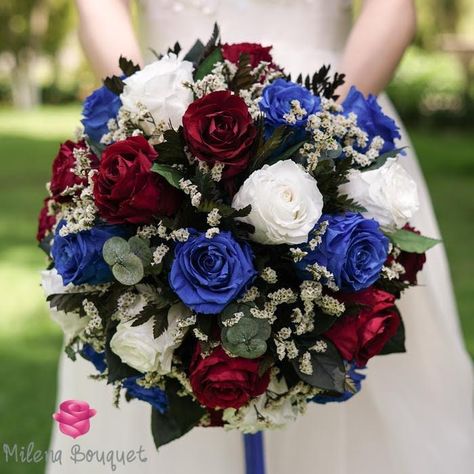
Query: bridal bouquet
point(228, 244)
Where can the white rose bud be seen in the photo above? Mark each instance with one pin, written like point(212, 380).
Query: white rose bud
point(286, 203)
point(137, 347)
point(159, 87)
point(388, 193)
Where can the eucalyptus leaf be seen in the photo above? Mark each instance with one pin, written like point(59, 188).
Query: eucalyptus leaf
point(411, 242)
point(247, 337)
point(129, 270)
point(172, 175)
point(141, 248)
point(115, 249)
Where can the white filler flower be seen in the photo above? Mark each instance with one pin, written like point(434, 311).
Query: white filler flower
point(137, 347)
point(388, 193)
point(159, 88)
point(286, 203)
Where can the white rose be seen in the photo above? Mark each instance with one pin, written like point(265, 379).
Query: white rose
point(286, 203)
point(71, 323)
point(159, 87)
point(388, 193)
point(52, 283)
point(138, 348)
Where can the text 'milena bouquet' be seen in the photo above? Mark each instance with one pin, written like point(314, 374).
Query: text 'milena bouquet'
point(228, 244)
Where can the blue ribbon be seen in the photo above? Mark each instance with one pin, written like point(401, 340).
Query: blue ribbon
point(254, 453)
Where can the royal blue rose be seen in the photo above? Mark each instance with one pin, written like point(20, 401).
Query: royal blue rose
point(354, 379)
point(97, 358)
point(208, 274)
point(353, 249)
point(276, 103)
point(78, 257)
point(154, 396)
point(99, 107)
point(371, 119)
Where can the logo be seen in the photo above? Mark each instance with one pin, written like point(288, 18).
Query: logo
point(74, 417)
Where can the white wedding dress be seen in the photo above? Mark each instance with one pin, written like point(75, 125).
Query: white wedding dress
point(414, 414)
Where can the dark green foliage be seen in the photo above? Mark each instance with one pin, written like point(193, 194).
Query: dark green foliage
point(128, 67)
point(182, 415)
point(397, 343)
point(322, 84)
point(328, 368)
point(171, 151)
point(243, 78)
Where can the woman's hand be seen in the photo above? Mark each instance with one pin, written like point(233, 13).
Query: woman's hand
point(376, 44)
point(106, 33)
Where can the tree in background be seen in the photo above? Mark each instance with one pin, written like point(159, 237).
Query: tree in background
point(31, 28)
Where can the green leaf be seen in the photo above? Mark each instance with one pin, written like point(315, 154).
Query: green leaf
point(129, 270)
point(287, 154)
point(141, 248)
point(114, 84)
point(171, 151)
point(411, 242)
point(128, 67)
point(243, 79)
point(182, 415)
point(382, 159)
point(328, 369)
point(172, 175)
point(67, 302)
point(160, 322)
point(195, 52)
point(208, 64)
point(96, 147)
point(115, 249)
point(397, 343)
point(267, 147)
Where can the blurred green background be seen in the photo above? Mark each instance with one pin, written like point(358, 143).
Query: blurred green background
point(43, 77)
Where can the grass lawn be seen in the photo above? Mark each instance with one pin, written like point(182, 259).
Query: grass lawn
point(30, 343)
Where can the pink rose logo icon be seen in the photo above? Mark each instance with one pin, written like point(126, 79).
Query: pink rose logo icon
point(73, 417)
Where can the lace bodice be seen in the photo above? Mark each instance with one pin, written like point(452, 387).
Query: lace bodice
point(304, 33)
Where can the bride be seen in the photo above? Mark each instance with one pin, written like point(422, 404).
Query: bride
point(414, 414)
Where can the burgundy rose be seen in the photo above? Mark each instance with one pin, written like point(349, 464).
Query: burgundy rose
point(219, 128)
point(45, 221)
point(363, 335)
point(411, 262)
point(63, 176)
point(256, 52)
point(220, 381)
point(125, 188)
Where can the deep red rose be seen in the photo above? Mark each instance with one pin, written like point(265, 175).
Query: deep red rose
point(45, 221)
point(361, 336)
point(125, 188)
point(220, 381)
point(256, 52)
point(63, 176)
point(411, 262)
point(219, 128)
